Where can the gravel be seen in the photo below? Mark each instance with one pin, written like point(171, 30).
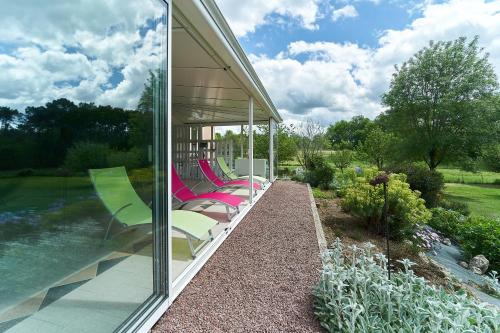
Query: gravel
point(261, 278)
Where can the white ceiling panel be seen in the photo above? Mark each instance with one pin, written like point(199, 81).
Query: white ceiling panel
point(202, 90)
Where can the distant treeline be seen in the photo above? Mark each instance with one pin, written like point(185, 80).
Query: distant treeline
point(42, 135)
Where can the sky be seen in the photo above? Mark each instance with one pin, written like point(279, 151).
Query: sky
point(329, 60)
point(98, 51)
point(324, 60)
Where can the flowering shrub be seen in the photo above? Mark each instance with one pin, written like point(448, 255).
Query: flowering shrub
point(355, 295)
point(405, 207)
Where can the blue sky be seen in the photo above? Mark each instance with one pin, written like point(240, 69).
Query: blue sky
point(363, 29)
point(333, 59)
point(324, 60)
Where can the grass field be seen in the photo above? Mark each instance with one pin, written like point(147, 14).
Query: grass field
point(40, 193)
point(465, 177)
point(481, 199)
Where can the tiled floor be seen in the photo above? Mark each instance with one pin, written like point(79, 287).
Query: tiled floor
point(101, 296)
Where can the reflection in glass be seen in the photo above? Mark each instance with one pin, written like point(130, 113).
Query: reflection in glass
point(78, 92)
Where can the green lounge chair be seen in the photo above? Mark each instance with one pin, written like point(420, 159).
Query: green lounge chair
point(231, 175)
point(116, 192)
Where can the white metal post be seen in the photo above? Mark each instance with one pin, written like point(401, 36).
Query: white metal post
point(271, 149)
point(250, 146)
point(211, 145)
point(241, 141)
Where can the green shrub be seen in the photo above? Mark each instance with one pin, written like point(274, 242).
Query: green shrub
point(405, 207)
point(354, 294)
point(320, 173)
point(491, 158)
point(460, 207)
point(475, 234)
point(131, 159)
point(481, 235)
point(319, 194)
point(447, 221)
point(428, 183)
point(87, 155)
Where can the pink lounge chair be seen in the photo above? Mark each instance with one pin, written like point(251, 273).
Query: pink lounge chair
point(185, 195)
point(209, 173)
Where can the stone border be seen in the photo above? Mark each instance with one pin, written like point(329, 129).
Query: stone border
point(317, 223)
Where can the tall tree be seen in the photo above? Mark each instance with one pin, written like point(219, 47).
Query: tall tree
point(351, 131)
point(310, 140)
point(7, 117)
point(377, 147)
point(437, 102)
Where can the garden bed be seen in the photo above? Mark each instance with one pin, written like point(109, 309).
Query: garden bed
point(353, 231)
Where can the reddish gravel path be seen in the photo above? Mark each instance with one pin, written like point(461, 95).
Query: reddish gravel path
point(260, 279)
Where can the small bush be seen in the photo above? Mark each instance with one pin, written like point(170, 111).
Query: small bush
point(405, 207)
point(481, 235)
point(460, 207)
point(87, 155)
point(354, 294)
point(319, 194)
point(25, 172)
point(131, 159)
point(320, 173)
point(428, 183)
point(447, 221)
point(475, 234)
point(491, 158)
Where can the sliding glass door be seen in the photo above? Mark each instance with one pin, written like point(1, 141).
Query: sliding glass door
point(83, 156)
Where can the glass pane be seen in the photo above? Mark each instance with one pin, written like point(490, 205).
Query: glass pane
point(81, 82)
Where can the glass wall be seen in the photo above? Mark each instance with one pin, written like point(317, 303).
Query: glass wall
point(82, 86)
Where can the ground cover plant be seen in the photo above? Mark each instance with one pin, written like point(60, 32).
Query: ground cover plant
point(355, 295)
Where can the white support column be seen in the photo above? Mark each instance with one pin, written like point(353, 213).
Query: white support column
point(211, 145)
point(250, 146)
point(271, 149)
point(241, 141)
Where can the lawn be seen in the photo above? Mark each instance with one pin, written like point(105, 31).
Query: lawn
point(41, 193)
point(464, 177)
point(481, 199)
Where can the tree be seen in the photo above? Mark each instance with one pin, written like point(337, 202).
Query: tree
point(491, 157)
point(438, 102)
point(351, 131)
point(377, 147)
point(342, 158)
point(309, 138)
point(287, 149)
point(7, 117)
point(152, 92)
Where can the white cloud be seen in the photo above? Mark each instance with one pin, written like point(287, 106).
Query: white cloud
point(245, 16)
point(76, 57)
point(337, 81)
point(346, 11)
